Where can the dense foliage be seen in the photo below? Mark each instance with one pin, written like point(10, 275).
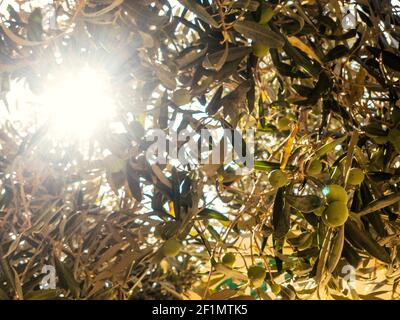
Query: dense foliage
point(322, 95)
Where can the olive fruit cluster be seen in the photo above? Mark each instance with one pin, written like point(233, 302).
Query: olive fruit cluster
point(336, 213)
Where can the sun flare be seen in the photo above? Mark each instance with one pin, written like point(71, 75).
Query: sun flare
point(78, 103)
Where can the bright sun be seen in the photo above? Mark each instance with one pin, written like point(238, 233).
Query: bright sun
point(78, 103)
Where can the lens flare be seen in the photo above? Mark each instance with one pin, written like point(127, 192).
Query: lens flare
point(78, 103)
point(325, 191)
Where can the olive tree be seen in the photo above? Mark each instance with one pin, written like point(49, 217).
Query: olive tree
point(315, 215)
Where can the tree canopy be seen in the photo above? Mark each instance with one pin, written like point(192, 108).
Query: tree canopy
point(317, 81)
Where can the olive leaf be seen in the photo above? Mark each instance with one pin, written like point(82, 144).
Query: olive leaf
point(35, 21)
point(216, 60)
point(322, 86)
point(259, 33)
point(302, 59)
point(230, 272)
point(267, 166)
point(351, 255)
point(335, 250)
point(47, 294)
point(250, 5)
point(280, 214)
point(367, 242)
point(391, 60)
point(329, 146)
point(199, 11)
point(212, 214)
point(143, 14)
point(133, 183)
point(214, 233)
point(66, 277)
point(336, 53)
point(307, 203)
point(381, 203)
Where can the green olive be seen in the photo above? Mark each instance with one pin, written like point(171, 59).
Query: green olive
point(334, 192)
point(315, 167)
point(283, 124)
point(229, 259)
point(260, 50)
point(335, 214)
point(356, 176)
point(181, 97)
point(171, 248)
point(256, 275)
point(277, 178)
